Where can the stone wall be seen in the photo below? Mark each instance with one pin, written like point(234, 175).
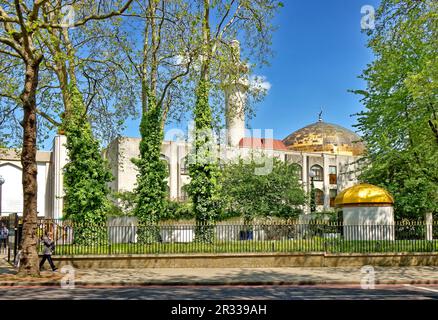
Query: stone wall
point(250, 260)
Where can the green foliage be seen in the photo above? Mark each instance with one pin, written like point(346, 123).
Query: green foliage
point(204, 187)
point(178, 211)
point(400, 124)
point(151, 187)
point(250, 195)
point(85, 177)
point(123, 203)
point(312, 197)
point(313, 244)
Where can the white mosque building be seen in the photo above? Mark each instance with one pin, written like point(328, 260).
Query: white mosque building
point(326, 152)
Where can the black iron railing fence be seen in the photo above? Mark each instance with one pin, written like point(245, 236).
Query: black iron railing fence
point(174, 238)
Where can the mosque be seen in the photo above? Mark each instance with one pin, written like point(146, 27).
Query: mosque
point(324, 152)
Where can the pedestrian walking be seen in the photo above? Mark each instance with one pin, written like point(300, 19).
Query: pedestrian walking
point(49, 248)
point(4, 233)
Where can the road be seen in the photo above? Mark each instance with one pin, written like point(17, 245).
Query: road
point(331, 292)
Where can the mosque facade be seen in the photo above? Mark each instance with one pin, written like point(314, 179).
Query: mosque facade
point(325, 152)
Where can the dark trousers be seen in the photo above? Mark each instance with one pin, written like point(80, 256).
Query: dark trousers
point(3, 243)
point(47, 257)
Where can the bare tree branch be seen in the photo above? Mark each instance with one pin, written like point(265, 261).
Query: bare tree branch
point(89, 18)
point(14, 45)
point(9, 53)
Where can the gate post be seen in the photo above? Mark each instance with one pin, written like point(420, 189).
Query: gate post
point(428, 224)
point(12, 237)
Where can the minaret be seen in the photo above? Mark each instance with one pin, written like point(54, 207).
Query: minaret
point(235, 100)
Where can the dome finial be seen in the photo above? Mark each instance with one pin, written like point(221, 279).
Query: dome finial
point(320, 116)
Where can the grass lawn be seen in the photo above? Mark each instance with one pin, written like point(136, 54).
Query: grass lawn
point(313, 245)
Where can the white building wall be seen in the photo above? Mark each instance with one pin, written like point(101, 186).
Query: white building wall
point(42, 180)
point(122, 150)
point(59, 160)
point(368, 223)
point(12, 189)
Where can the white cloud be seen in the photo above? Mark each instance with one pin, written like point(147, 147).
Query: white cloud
point(180, 60)
point(259, 83)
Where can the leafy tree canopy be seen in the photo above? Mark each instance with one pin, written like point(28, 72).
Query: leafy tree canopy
point(251, 195)
point(400, 124)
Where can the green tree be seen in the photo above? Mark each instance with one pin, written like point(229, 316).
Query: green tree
point(85, 177)
point(160, 64)
point(204, 187)
point(21, 23)
point(203, 165)
point(399, 124)
point(220, 24)
point(151, 187)
point(86, 174)
point(17, 39)
point(251, 195)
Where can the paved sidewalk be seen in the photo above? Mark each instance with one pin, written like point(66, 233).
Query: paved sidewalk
point(255, 276)
point(224, 276)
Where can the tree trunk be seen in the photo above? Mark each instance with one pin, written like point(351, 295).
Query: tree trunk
point(155, 47)
point(29, 254)
point(206, 39)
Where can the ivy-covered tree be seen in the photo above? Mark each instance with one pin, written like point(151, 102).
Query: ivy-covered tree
point(400, 122)
point(22, 57)
point(220, 24)
point(85, 177)
point(204, 187)
point(86, 174)
point(151, 190)
point(165, 32)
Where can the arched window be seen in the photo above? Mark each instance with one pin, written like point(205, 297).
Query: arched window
point(184, 168)
point(319, 173)
point(319, 197)
point(183, 195)
point(164, 158)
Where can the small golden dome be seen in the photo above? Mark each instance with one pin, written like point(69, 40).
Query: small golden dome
point(325, 137)
point(364, 193)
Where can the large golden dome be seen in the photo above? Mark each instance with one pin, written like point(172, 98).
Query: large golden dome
point(325, 137)
point(364, 194)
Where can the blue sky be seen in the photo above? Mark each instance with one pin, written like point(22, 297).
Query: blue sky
point(319, 53)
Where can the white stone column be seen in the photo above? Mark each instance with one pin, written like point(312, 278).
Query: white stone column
point(305, 172)
point(173, 174)
point(428, 219)
point(59, 161)
point(326, 182)
point(305, 178)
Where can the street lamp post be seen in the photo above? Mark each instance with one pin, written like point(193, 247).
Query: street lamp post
point(312, 192)
point(2, 181)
